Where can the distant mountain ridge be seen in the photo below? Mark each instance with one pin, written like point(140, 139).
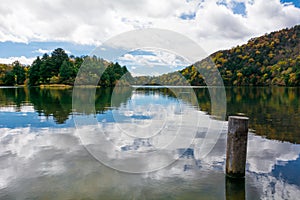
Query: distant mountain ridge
point(272, 59)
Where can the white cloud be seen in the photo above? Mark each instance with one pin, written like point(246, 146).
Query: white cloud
point(215, 25)
point(271, 15)
point(154, 62)
point(24, 60)
point(24, 109)
point(269, 153)
point(157, 58)
point(276, 188)
point(43, 51)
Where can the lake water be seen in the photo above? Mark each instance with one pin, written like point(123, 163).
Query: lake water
point(49, 150)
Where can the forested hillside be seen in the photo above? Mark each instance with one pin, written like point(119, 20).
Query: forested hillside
point(273, 59)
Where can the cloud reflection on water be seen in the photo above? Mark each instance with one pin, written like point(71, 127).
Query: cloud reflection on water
point(36, 162)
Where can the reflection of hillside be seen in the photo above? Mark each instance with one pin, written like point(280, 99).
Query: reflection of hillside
point(103, 99)
point(274, 112)
point(13, 96)
point(184, 94)
point(58, 103)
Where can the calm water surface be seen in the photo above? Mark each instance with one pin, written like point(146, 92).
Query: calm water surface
point(44, 156)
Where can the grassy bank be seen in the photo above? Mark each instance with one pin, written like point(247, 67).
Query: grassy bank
point(56, 86)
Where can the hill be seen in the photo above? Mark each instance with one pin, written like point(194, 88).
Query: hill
point(272, 59)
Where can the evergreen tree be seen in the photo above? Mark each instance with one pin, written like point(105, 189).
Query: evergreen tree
point(9, 79)
point(46, 69)
point(34, 72)
point(66, 71)
point(58, 56)
point(19, 73)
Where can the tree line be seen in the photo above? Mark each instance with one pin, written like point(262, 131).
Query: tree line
point(59, 68)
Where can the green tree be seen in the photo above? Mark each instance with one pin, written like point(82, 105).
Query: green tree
point(9, 78)
point(46, 68)
point(105, 79)
point(19, 73)
point(77, 64)
point(58, 56)
point(66, 71)
point(34, 72)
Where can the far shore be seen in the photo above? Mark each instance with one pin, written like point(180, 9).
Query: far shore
point(64, 86)
point(55, 86)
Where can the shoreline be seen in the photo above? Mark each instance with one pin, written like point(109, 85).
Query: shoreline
point(54, 86)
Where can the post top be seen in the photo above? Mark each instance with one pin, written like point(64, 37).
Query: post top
point(238, 117)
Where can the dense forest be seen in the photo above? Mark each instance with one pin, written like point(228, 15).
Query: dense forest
point(273, 59)
point(59, 68)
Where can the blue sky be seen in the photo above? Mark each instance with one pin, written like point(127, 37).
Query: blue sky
point(29, 29)
point(11, 49)
point(295, 2)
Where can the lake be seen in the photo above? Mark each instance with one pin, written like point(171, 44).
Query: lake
point(142, 143)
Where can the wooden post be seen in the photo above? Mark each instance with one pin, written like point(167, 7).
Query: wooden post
point(236, 150)
point(235, 189)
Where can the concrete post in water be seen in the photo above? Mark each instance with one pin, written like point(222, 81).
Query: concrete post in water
point(236, 150)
